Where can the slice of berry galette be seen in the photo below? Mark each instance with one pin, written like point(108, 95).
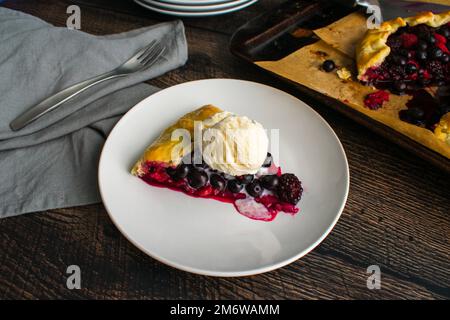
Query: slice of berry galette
point(230, 163)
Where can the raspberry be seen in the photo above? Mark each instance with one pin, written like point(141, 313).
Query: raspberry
point(441, 42)
point(409, 40)
point(439, 38)
point(289, 188)
point(375, 100)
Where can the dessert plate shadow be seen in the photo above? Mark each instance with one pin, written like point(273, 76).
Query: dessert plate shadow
point(209, 237)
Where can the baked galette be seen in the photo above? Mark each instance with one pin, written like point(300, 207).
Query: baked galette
point(406, 53)
point(397, 74)
point(231, 163)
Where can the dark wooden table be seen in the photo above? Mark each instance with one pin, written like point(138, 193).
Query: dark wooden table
point(397, 215)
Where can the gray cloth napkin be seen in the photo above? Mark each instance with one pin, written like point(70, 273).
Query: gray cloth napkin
point(52, 163)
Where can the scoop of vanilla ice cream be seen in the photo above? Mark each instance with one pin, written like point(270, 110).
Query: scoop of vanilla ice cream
point(234, 144)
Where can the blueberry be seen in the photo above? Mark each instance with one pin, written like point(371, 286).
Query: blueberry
point(400, 60)
point(406, 53)
point(430, 39)
point(217, 182)
point(197, 178)
point(270, 182)
point(181, 172)
point(245, 179)
point(424, 82)
point(254, 189)
point(234, 186)
point(444, 108)
point(445, 58)
point(436, 53)
point(411, 68)
point(404, 116)
point(407, 116)
point(328, 65)
point(268, 162)
point(416, 113)
point(422, 45)
point(171, 171)
point(422, 55)
point(400, 86)
point(418, 122)
point(445, 32)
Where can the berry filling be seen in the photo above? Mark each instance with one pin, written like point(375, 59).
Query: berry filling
point(424, 110)
point(259, 197)
point(375, 100)
point(419, 58)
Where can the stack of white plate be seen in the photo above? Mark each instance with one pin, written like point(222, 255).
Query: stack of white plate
point(195, 8)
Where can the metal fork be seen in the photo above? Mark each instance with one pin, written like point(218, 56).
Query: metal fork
point(143, 59)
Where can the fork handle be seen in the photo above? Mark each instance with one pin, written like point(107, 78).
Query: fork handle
point(59, 98)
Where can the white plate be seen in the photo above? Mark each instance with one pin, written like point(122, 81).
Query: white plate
point(208, 13)
point(194, 2)
point(193, 8)
point(206, 236)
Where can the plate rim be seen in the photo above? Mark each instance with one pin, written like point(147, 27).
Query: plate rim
point(199, 8)
point(227, 274)
point(197, 14)
point(196, 2)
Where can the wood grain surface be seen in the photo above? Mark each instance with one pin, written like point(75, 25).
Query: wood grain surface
point(397, 215)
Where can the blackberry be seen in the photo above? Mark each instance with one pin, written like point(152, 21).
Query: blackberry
point(436, 69)
point(394, 42)
point(422, 31)
point(289, 188)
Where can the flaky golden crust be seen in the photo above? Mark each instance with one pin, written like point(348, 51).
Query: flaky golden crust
point(442, 130)
point(161, 149)
point(373, 49)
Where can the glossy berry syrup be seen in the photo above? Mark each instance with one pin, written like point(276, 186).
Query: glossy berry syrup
point(264, 208)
